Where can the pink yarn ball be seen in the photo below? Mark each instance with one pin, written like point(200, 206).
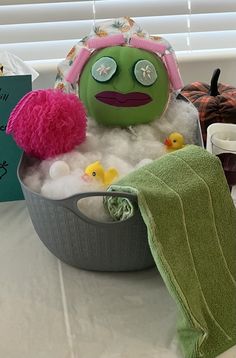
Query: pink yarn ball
point(49, 122)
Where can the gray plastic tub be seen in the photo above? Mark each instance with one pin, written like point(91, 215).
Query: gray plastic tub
point(85, 243)
point(82, 242)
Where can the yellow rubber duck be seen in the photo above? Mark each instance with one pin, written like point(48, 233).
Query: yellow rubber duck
point(96, 171)
point(174, 141)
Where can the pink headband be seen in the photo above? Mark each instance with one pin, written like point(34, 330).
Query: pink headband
point(83, 55)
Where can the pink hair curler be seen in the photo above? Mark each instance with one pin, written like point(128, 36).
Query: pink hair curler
point(115, 40)
point(148, 45)
point(74, 72)
point(173, 71)
point(106, 41)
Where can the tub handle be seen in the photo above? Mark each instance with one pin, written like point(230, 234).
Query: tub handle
point(71, 203)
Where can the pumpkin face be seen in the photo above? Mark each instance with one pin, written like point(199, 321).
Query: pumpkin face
point(215, 102)
point(123, 86)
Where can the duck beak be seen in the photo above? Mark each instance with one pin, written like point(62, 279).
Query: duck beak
point(168, 142)
point(86, 178)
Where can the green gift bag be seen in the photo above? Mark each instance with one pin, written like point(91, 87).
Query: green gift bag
point(12, 89)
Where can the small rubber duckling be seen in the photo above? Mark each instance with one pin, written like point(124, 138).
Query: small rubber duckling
point(96, 170)
point(174, 141)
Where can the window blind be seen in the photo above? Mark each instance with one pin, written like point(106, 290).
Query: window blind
point(43, 31)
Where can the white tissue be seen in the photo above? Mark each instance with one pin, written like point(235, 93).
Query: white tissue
point(13, 65)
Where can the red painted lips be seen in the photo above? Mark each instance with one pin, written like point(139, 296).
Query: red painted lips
point(117, 99)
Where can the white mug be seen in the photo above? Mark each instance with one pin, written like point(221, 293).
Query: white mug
point(221, 140)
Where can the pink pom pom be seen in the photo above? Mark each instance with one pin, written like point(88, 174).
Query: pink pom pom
point(46, 123)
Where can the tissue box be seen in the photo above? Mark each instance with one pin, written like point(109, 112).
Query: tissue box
point(12, 89)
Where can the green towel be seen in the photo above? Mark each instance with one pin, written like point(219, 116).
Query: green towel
point(191, 221)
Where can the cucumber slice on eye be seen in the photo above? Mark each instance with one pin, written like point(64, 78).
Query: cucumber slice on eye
point(145, 72)
point(104, 69)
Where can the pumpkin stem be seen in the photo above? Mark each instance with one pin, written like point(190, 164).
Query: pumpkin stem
point(214, 83)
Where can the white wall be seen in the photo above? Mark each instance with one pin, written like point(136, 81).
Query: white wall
point(202, 71)
point(191, 71)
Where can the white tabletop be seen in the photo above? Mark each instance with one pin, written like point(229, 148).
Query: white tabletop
point(51, 310)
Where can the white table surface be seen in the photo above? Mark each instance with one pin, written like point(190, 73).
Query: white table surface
point(51, 310)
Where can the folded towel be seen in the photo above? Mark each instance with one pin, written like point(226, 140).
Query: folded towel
point(191, 221)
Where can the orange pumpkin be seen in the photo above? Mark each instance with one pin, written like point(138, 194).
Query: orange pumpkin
point(215, 102)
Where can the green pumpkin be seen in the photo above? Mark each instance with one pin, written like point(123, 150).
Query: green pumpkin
point(123, 86)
